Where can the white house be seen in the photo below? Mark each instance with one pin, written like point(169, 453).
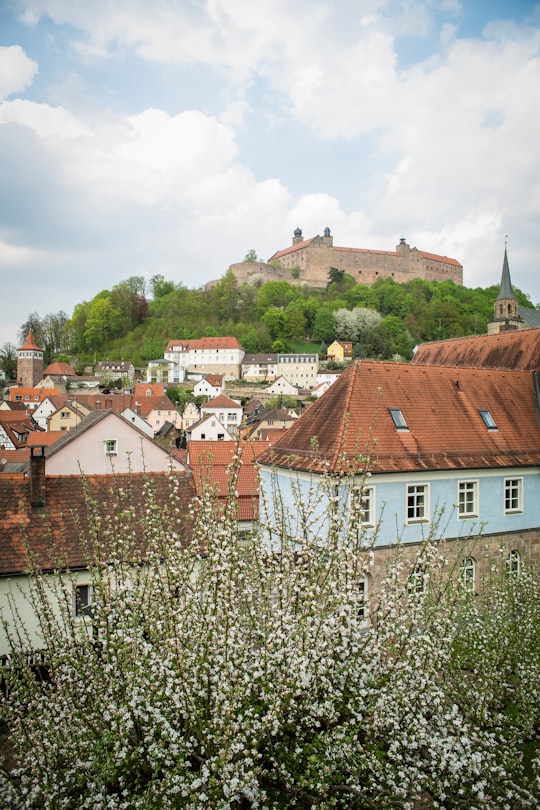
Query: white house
point(282, 386)
point(228, 411)
point(209, 428)
point(211, 385)
point(208, 355)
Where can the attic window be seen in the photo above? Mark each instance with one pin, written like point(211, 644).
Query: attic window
point(489, 421)
point(399, 420)
point(111, 447)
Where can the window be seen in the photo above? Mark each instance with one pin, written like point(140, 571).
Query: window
point(468, 573)
point(467, 499)
point(64, 414)
point(363, 594)
point(418, 579)
point(111, 447)
point(367, 513)
point(82, 600)
point(417, 502)
point(489, 421)
point(398, 418)
point(513, 495)
point(513, 564)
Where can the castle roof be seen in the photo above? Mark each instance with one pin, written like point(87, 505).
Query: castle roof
point(406, 417)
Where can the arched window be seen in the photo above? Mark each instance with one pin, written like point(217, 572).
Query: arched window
point(513, 563)
point(468, 573)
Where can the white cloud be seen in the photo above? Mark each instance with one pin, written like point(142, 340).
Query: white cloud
point(17, 71)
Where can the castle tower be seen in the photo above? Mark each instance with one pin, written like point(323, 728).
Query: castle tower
point(29, 363)
point(506, 317)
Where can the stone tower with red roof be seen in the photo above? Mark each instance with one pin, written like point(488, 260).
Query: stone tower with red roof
point(29, 363)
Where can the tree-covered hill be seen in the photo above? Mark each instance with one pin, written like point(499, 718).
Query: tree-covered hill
point(135, 319)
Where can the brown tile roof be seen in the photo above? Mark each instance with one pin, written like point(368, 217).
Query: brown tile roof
point(215, 380)
point(60, 370)
point(57, 535)
point(41, 393)
point(205, 343)
point(512, 350)
point(441, 407)
point(45, 438)
point(211, 462)
point(221, 401)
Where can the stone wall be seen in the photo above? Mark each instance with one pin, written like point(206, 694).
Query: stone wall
point(310, 262)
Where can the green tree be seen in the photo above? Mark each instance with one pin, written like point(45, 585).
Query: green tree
point(251, 256)
point(274, 321)
point(8, 360)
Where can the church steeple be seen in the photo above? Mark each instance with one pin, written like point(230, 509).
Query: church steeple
point(506, 307)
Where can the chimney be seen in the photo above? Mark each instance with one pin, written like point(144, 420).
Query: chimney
point(37, 477)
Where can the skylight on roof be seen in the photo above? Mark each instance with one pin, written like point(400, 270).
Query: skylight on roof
point(489, 421)
point(399, 420)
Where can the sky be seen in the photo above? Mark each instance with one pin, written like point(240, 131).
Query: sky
point(144, 137)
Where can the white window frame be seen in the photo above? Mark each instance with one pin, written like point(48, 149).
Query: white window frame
point(418, 579)
point(110, 447)
point(513, 495)
point(78, 605)
point(413, 491)
point(468, 573)
point(513, 563)
point(471, 488)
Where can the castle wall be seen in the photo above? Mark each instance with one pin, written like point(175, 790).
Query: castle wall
point(311, 261)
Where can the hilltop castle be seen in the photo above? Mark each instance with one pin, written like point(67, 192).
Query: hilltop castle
point(308, 261)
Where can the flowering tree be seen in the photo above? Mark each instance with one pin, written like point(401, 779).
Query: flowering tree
point(257, 672)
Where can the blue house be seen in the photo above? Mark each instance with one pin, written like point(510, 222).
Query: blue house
point(457, 448)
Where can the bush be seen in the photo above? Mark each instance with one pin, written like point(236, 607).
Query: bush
point(258, 672)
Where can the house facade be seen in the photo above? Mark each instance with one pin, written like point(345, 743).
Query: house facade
point(211, 385)
point(299, 369)
point(228, 411)
point(208, 355)
point(259, 367)
point(450, 450)
point(339, 351)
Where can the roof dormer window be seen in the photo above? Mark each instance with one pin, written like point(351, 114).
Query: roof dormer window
point(488, 420)
point(399, 420)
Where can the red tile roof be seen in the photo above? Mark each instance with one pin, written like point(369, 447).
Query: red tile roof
point(513, 350)
point(205, 343)
point(211, 464)
point(30, 343)
point(57, 536)
point(59, 370)
point(221, 401)
point(441, 407)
